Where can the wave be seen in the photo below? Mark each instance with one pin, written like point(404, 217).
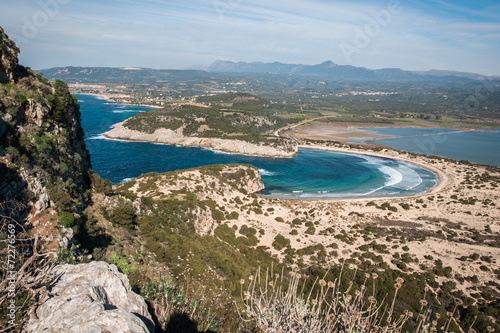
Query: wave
point(265, 172)
point(124, 180)
point(124, 111)
point(97, 137)
point(395, 177)
point(411, 178)
point(372, 159)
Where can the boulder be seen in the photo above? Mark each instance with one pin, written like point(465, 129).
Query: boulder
point(92, 297)
point(44, 202)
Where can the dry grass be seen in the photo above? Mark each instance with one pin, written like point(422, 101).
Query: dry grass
point(275, 303)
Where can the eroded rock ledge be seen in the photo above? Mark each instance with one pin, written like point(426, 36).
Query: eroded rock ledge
point(92, 297)
point(170, 137)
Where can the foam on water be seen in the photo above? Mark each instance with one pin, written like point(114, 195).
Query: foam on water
point(125, 111)
point(265, 172)
point(411, 178)
point(98, 137)
point(395, 177)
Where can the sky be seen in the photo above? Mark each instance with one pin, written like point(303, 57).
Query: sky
point(455, 35)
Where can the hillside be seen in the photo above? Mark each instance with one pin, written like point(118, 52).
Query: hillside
point(211, 219)
point(45, 173)
point(41, 138)
point(326, 89)
point(235, 123)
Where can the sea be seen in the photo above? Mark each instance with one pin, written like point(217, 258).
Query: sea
point(311, 174)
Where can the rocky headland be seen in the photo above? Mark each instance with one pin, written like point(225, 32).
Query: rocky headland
point(176, 137)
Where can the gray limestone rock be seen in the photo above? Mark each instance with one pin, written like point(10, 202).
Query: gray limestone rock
point(92, 297)
point(44, 202)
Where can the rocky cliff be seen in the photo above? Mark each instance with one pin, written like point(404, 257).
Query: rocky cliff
point(43, 157)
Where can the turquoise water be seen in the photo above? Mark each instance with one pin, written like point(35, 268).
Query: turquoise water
point(312, 174)
point(479, 147)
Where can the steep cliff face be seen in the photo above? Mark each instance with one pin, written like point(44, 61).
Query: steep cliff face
point(42, 153)
point(8, 59)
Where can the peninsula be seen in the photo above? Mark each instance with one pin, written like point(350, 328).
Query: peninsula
point(232, 123)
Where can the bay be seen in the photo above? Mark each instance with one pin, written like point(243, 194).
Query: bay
point(312, 174)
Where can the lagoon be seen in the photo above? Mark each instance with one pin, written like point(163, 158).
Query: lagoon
point(481, 146)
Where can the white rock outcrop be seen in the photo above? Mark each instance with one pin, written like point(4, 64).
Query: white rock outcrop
point(87, 298)
point(171, 137)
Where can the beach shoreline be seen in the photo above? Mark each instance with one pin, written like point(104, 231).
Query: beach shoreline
point(442, 179)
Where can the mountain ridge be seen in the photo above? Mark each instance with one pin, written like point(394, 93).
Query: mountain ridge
point(326, 71)
point(329, 69)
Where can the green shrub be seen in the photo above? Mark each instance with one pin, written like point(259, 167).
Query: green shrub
point(238, 201)
point(66, 219)
point(124, 215)
point(246, 231)
point(280, 242)
point(474, 256)
point(12, 153)
point(217, 215)
point(311, 230)
point(405, 206)
point(61, 199)
point(101, 185)
point(258, 211)
point(232, 216)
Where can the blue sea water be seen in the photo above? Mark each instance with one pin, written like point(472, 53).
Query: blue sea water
point(479, 147)
point(312, 174)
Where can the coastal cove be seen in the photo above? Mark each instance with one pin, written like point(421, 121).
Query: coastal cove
point(311, 174)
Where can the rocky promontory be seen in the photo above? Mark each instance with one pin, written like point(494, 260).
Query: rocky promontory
point(176, 137)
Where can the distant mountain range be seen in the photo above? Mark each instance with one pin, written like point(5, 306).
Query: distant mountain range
point(333, 72)
point(326, 71)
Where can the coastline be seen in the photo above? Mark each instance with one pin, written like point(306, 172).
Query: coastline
point(107, 97)
point(170, 137)
point(442, 179)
